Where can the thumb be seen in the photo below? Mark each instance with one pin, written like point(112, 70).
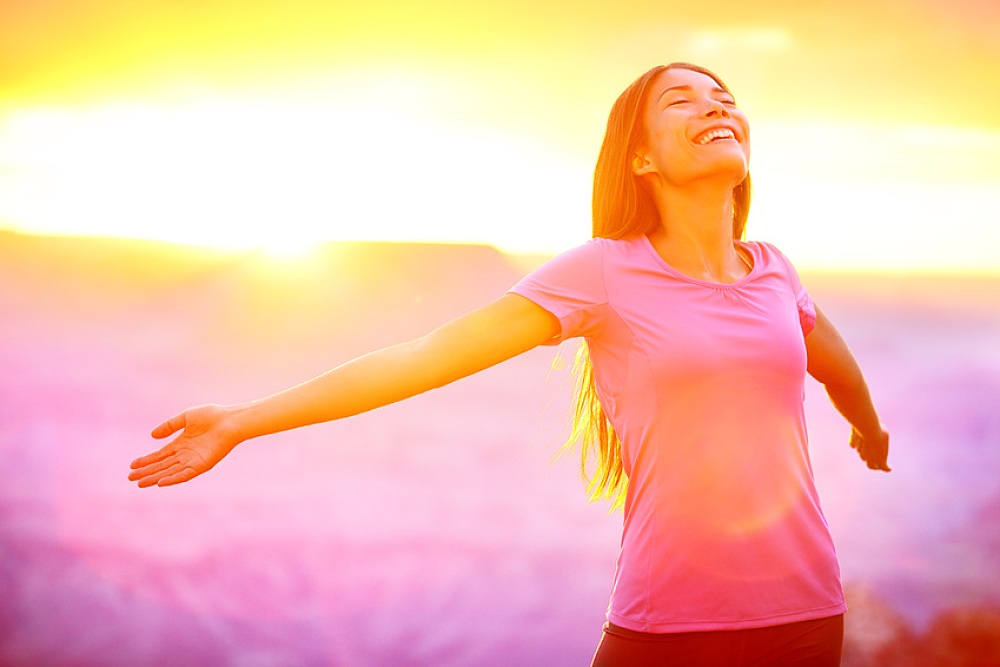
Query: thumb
point(170, 426)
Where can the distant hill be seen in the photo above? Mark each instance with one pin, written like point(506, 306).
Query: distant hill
point(338, 290)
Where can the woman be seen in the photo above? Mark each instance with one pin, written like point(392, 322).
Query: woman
point(692, 392)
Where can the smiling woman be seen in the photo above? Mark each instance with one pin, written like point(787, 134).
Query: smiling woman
point(239, 173)
point(696, 349)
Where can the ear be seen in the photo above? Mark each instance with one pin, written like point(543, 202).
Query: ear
point(641, 164)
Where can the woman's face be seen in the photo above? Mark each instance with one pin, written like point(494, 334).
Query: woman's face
point(693, 130)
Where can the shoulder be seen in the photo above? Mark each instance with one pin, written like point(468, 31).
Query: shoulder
point(579, 268)
point(774, 264)
point(602, 246)
point(593, 255)
point(583, 272)
point(770, 257)
point(631, 250)
point(767, 251)
point(585, 256)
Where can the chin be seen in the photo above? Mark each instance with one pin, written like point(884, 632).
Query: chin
point(734, 169)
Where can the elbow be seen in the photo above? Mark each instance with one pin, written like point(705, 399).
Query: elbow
point(838, 377)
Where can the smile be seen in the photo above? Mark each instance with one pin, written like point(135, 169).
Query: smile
point(716, 134)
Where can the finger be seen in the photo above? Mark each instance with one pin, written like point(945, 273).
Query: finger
point(151, 458)
point(172, 425)
point(879, 456)
point(884, 458)
point(148, 459)
point(153, 479)
point(856, 441)
point(147, 482)
point(184, 475)
point(877, 462)
point(151, 468)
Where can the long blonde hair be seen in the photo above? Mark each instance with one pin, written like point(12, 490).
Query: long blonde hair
point(623, 207)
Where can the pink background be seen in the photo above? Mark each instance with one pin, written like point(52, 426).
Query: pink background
point(437, 531)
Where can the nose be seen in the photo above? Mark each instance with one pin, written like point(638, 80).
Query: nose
point(716, 109)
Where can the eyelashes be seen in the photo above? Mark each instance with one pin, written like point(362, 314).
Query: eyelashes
point(728, 101)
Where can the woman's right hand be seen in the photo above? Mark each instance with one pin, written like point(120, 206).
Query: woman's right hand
point(468, 344)
point(207, 434)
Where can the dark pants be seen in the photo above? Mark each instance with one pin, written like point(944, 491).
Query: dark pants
point(804, 644)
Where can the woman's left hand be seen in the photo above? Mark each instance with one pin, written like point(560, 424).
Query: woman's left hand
point(873, 448)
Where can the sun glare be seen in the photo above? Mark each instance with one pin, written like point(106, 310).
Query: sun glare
point(289, 249)
point(916, 201)
point(390, 159)
point(241, 173)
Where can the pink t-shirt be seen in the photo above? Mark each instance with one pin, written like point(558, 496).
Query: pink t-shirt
point(704, 385)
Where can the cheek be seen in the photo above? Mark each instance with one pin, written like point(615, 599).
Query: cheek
point(742, 120)
point(745, 124)
point(669, 142)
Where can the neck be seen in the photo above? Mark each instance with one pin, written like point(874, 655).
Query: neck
point(695, 234)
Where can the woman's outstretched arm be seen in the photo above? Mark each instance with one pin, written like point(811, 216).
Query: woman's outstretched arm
point(832, 364)
point(480, 339)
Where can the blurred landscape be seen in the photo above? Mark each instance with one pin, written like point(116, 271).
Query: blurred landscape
point(438, 531)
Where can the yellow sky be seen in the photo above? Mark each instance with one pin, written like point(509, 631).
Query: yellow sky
point(876, 124)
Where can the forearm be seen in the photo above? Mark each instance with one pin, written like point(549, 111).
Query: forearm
point(853, 401)
point(833, 365)
point(368, 382)
point(455, 350)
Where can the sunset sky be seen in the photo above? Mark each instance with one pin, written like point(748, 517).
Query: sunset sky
point(875, 123)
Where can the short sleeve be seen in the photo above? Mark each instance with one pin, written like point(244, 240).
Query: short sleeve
point(571, 287)
point(804, 302)
point(807, 310)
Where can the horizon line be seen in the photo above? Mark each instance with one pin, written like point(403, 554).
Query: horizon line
point(967, 272)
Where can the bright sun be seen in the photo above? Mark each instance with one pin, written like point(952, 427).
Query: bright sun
point(283, 175)
point(394, 159)
point(289, 248)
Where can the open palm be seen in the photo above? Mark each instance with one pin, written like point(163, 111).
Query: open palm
point(205, 439)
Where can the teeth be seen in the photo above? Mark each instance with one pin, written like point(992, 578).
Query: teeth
point(712, 135)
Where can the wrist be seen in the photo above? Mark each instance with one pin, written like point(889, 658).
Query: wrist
point(239, 422)
point(254, 419)
point(871, 431)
